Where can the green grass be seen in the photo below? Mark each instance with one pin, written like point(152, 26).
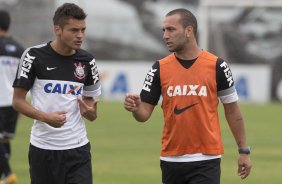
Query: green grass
point(127, 152)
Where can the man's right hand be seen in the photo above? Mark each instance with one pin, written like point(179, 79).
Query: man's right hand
point(132, 102)
point(55, 119)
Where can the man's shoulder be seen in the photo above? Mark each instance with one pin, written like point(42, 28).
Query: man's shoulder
point(10, 47)
point(167, 59)
point(208, 55)
point(15, 42)
point(36, 48)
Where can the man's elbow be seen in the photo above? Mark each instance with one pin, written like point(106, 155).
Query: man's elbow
point(91, 118)
point(15, 104)
point(141, 119)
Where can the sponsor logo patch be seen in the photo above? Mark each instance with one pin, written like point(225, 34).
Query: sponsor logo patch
point(179, 111)
point(79, 71)
point(62, 89)
point(26, 65)
point(149, 79)
point(227, 73)
point(94, 71)
point(187, 90)
point(50, 68)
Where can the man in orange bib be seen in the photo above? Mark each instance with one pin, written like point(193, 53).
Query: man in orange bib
point(191, 81)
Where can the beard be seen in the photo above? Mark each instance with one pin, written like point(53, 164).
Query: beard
point(177, 48)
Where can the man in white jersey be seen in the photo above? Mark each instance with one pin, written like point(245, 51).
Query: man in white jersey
point(10, 53)
point(64, 83)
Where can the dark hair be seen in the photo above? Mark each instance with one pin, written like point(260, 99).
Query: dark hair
point(5, 20)
point(68, 11)
point(187, 18)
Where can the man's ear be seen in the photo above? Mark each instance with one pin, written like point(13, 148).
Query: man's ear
point(188, 31)
point(57, 29)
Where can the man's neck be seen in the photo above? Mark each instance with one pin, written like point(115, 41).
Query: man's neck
point(64, 51)
point(189, 53)
point(4, 33)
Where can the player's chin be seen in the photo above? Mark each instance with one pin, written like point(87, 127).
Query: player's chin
point(170, 48)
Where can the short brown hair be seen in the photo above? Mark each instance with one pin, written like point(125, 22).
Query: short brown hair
point(68, 11)
point(5, 20)
point(187, 18)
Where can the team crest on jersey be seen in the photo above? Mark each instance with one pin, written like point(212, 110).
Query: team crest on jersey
point(79, 70)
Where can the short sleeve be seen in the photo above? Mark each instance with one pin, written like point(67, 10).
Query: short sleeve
point(92, 86)
point(226, 90)
point(26, 72)
point(151, 90)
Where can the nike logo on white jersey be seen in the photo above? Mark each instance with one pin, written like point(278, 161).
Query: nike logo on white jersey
point(48, 68)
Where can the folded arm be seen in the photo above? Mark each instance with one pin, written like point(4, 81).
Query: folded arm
point(55, 119)
point(88, 107)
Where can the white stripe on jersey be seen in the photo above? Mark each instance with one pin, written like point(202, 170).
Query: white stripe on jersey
point(23, 55)
point(233, 97)
point(189, 158)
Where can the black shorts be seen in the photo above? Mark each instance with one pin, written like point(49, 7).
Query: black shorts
point(71, 166)
point(8, 122)
point(199, 172)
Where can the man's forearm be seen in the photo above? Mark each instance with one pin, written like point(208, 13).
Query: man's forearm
point(28, 110)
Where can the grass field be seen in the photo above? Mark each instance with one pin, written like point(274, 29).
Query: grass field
point(127, 152)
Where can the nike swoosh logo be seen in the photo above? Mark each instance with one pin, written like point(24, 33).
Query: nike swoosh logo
point(48, 68)
point(179, 111)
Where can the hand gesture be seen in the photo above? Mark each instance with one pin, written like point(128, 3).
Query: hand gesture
point(88, 108)
point(56, 119)
point(132, 102)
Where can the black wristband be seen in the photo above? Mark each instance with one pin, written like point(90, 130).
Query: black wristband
point(244, 150)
